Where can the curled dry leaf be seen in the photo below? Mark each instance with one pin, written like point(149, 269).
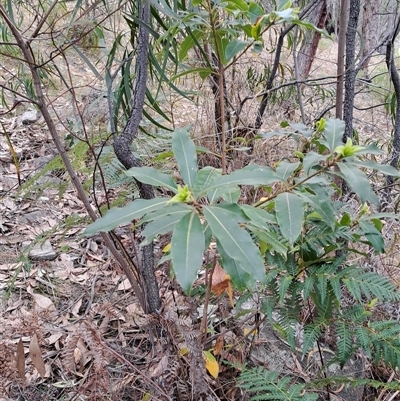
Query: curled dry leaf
point(161, 367)
point(36, 355)
point(21, 359)
point(221, 282)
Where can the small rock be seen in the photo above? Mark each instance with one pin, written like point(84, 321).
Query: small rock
point(29, 117)
point(43, 252)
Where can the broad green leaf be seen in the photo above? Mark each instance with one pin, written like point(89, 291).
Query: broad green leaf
point(196, 2)
point(284, 170)
point(312, 160)
point(271, 239)
point(204, 178)
point(149, 175)
point(188, 43)
point(290, 215)
point(334, 130)
point(174, 208)
point(233, 211)
point(255, 11)
point(358, 182)
point(238, 4)
point(230, 194)
point(233, 48)
point(185, 156)
point(235, 241)
point(162, 225)
point(187, 247)
point(258, 215)
point(323, 208)
point(373, 236)
point(240, 278)
point(249, 175)
point(134, 210)
point(382, 168)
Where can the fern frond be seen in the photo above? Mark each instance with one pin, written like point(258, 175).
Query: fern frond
point(262, 384)
point(345, 345)
point(361, 283)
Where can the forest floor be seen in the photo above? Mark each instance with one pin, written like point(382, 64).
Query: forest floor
point(65, 317)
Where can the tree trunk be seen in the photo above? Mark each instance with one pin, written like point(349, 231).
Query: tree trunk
point(370, 31)
point(395, 77)
point(123, 151)
point(350, 68)
point(308, 51)
point(344, 10)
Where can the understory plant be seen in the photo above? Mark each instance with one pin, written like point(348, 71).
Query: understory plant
point(285, 242)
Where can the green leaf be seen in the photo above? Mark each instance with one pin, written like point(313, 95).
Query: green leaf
point(149, 175)
point(230, 194)
point(258, 215)
point(290, 215)
point(188, 43)
point(249, 175)
point(271, 239)
point(358, 182)
point(373, 236)
point(382, 168)
point(187, 247)
point(185, 156)
point(235, 241)
point(334, 130)
point(134, 210)
point(284, 170)
point(234, 47)
point(238, 4)
point(240, 278)
point(312, 160)
point(233, 211)
point(162, 225)
point(323, 208)
point(204, 178)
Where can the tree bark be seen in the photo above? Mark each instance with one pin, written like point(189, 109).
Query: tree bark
point(350, 68)
point(395, 78)
point(369, 31)
point(123, 151)
point(309, 49)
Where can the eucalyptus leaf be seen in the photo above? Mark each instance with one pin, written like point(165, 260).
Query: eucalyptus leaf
point(187, 247)
point(382, 168)
point(235, 241)
point(234, 47)
point(134, 210)
point(290, 215)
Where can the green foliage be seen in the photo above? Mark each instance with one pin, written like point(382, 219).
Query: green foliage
point(263, 384)
point(285, 241)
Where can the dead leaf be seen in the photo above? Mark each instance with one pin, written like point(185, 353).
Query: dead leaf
point(221, 282)
point(211, 364)
point(161, 367)
point(125, 285)
point(218, 345)
point(42, 301)
point(21, 359)
point(36, 355)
